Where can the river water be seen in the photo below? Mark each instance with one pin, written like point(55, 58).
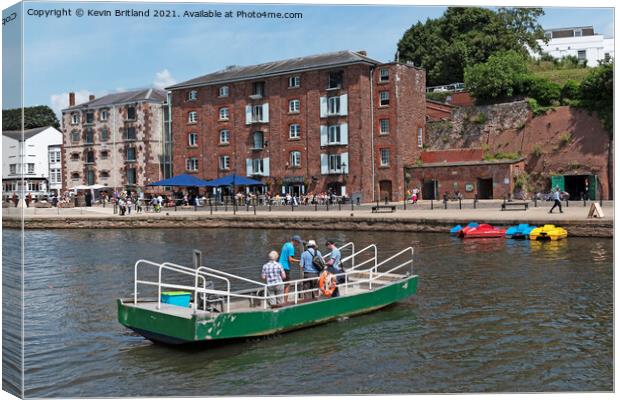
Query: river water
point(489, 316)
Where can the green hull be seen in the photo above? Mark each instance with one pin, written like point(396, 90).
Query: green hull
point(173, 329)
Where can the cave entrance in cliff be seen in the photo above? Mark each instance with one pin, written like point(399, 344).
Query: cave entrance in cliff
point(485, 188)
point(578, 185)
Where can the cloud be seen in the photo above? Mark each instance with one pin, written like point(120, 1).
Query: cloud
point(163, 79)
point(61, 101)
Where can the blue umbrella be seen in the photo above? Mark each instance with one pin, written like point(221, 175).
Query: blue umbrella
point(234, 180)
point(182, 180)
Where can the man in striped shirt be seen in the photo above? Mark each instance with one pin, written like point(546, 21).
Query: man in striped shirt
point(273, 274)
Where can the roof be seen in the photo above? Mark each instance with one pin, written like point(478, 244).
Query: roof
point(28, 133)
point(465, 163)
point(146, 94)
point(237, 73)
point(569, 28)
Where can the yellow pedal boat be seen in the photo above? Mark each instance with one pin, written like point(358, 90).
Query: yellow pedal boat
point(548, 232)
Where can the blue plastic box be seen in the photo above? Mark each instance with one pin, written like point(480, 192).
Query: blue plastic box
point(180, 299)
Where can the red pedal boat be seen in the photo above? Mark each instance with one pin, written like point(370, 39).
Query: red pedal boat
point(481, 231)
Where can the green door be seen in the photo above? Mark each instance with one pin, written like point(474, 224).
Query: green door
point(592, 187)
point(557, 181)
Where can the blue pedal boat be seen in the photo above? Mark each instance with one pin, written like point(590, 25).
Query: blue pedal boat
point(454, 231)
point(521, 231)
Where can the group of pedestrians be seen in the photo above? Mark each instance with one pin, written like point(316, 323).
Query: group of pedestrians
point(277, 272)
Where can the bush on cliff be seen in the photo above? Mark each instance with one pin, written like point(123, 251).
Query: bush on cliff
point(503, 76)
point(544, 91)
point(597, 93)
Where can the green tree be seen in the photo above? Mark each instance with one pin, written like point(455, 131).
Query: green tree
point(34, 117)
point(465, 36)
point(502, 76)
point(597, 93)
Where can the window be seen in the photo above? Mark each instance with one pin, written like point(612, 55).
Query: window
point(192, 117)
point(333, 105)
point(90, 117)
point(130, 133)
point(420, 137)
point(223, 91)
point(295, 159)
point(333, 134)
point(258, 89)
point(577, 32)
point(257, 166)
point(224, 136)
point(335, 80)
point(54, 156)
point(224, 114)
point(224, 162)
point(89, 136)
point(335, 162)
point(581, 55)
point(105, 174)
point(75, 136)
point(384, 126)
point(257, 113)
point(294, 131)
point(294, 81)
point(384, 98)
point(103, 115)
point(293, 106)
point(192, 139)
point(90, 157)
point(192, 164)
point(607, 57)
point(90, 177)
point(75, 118)
point(192, 95)
point(75, 175)
point(131, 176)
point(31, 168)
point(55, 175)
point(257, 140)
point(131, 154)
point(75, 156)
point(34, 186)
point(384, 75)
point(131, 112)
point(105, 134)
point(104, 155)
point(13, 169)
point(385, 157)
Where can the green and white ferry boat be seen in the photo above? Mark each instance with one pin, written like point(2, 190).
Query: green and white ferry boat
point(215, 311)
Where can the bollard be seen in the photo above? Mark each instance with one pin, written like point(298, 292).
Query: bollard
point(195, 207)
point(254, 206)
point(225, 204)
point(316, 206)
point(247, 207)
point(269, 205)
point(351, 204)
point(431, 204)
point(211, 206)
point(445, 204)
point(566, 202)
point(584, 201)
point(475, 200)
point(358, 201)
point(292, 206)
point(405, 203)
point(115, 208)
point(386, 200)
point(460, 205)
point(327, 205)
point(175, 206)
point(535, 201)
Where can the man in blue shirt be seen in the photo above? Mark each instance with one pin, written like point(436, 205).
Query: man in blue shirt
point(287, 257)
point(556, 200)
point(333, 264)
point(310, 271)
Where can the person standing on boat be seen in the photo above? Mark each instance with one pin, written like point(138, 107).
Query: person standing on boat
point(334, 265)
point(556, 200)
point(287, 257)
point(273, 274)
point(310, 270)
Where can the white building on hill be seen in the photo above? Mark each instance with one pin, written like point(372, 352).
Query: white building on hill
point(580, 42)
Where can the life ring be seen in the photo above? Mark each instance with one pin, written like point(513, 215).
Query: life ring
point(327, 283)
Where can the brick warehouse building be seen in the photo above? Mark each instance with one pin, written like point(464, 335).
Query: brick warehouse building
point(115, 141)
point(339, 121)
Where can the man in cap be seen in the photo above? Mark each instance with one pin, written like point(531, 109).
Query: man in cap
point(310, 270)
point(333, 264)
point(287, 257)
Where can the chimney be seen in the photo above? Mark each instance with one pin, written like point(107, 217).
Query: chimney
point(362, 53)
point(71, 99)
point(91, 97)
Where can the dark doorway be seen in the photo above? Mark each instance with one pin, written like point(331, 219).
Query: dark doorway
point(485, 188)
point(577, 186)
point(430, 190)
point(335, 188)
point(385, 190)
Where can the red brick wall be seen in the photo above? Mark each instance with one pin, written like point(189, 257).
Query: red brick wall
point(461, 99)
point(437, 111)
point(452, 155)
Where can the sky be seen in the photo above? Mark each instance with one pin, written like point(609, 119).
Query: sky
point(101, 55)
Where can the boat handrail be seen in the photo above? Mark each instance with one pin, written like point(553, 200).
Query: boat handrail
point(341, 248)
point(372, 246)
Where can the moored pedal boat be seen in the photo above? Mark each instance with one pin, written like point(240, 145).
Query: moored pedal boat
point(454, 231)
point(481, 231)
point(548, 232)
point(218, 313)
point(521, 231)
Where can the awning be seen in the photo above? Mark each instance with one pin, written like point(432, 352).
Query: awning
point(234, 180)
point(182, 180)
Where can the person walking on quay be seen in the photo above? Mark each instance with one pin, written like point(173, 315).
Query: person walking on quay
point(287, 257)
point(556, 200)
point(310, 268)
point(273, 274)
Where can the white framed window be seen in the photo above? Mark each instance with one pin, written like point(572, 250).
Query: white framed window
point(295, 159)
point(333, 134)
point(224, 136)
point(420, 137)
point(293, 106)
point(257, 166)
point(75, 118)
point(90, 117)
point(384, 126)
point(224, 163)
point(103, 115)
point(384, 75)
point(294, 131)
point(131, 154)
point(31, 168)
point(54, 156)
point(335, 162)
point(192, 139)
point(258, 140)
point(578, 32)
point(55, 175)
point(192, 117)
point(256, 114)
point(384, 98)
point(581, 55)
point(191, 164)
point(333, 105)
point(223, 92)
point(385, 157)
point(192, 95)
point(294, 81)
point(224, 114)
point(131, 176)
point(13, 169)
